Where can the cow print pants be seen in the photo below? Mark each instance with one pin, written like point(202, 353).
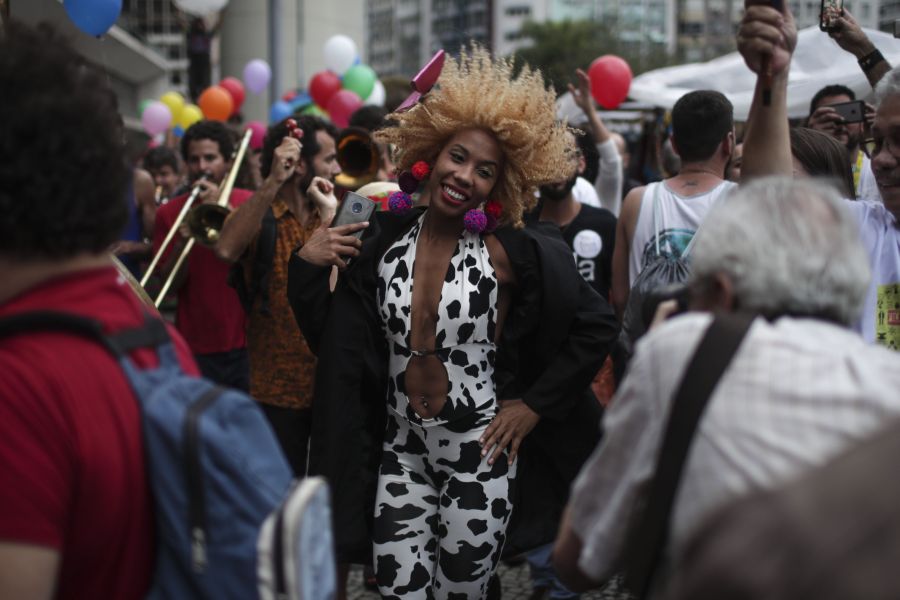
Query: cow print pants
point(441, 511)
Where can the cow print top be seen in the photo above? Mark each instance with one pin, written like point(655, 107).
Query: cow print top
point(464, 336)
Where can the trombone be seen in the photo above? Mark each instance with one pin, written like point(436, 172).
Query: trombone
point(359, 157)
point(204, 221)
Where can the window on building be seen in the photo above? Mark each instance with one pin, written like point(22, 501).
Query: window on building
point(518, 11)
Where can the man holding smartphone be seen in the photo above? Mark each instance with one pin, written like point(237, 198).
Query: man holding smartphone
point(834, 110)
point(295, 198)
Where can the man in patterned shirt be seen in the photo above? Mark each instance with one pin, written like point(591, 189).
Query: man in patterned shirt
point(292, 202)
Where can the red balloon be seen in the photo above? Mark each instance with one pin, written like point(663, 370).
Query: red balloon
point(343, 104)
point(610, 80)
point(235, 88)
point(323, 86)
point(289, 95)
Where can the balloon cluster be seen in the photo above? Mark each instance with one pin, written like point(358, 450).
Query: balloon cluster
point(337, 91)
point(217, 102)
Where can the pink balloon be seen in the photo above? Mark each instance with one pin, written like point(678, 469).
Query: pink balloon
point(156, 118)
point(258, 135)
point(343, 104)
point(610, 80)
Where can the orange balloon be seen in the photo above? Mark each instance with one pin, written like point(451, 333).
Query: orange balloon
point(216, 103)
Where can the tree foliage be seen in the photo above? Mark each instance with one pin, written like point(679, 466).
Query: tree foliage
point(558, 48)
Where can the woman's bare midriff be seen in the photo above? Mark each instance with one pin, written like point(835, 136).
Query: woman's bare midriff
point(426, 380)
point(426, 385)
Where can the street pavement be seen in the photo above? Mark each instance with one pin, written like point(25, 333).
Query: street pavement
point(516, 584)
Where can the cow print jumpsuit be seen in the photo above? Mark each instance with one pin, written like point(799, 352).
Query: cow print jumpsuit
point(441, 511)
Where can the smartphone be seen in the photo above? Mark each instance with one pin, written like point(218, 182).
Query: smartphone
point(851, 112)
point(354, 209)
point(828, 10)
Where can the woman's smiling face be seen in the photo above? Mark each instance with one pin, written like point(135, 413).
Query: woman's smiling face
point(466, 171)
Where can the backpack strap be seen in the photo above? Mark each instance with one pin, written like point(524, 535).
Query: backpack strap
point(260, 268)
point(46, 320)
point(647, 541)
point(151, 334)
point(656, 209)
point(265, 257)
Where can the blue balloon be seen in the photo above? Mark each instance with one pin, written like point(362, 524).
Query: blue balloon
point(93, 17)
point(300, 100)
point(178, 130)
point(280, 110)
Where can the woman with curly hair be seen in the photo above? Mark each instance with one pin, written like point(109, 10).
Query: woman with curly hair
point(473, 331)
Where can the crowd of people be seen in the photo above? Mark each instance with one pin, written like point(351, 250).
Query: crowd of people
point(493, 365)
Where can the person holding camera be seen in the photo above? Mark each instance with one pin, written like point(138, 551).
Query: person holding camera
point(834, 110)
point(458, 344)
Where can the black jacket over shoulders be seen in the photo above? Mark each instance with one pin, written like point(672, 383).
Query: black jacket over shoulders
point(556, 335)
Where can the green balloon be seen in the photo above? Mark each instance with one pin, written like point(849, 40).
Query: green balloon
point(314, 111)
point(360, 79)
point(142, 105)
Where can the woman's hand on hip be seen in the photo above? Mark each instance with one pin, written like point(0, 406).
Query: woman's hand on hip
point(512, 423)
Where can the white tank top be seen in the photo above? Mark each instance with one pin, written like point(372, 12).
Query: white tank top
point(669, 229)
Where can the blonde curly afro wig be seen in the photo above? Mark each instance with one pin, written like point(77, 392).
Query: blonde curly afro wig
point(480, 92)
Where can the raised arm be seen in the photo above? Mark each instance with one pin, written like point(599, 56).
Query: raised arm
point(766, 39)
point(609, 177)
point(243, 223)
point(851, 37)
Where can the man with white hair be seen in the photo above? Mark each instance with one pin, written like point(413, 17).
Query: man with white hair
point(801, 387)
point(767, 39)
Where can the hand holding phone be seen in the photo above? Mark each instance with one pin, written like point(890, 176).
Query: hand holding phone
point(338, 244)
point(354, 209)
point(829, 11)
point(850, 112)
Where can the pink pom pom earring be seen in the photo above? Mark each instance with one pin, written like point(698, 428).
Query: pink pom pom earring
point(401, 202)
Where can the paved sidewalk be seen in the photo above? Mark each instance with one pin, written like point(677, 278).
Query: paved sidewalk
point(516, 584)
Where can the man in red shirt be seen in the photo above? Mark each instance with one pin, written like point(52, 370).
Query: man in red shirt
point(76, 516)
point(209, 314)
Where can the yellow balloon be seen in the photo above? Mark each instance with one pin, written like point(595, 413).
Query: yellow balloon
point(190, 114)
point(175, 102)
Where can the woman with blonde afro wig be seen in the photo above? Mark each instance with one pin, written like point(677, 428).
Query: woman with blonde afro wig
point(480, 92)
point(457, 359)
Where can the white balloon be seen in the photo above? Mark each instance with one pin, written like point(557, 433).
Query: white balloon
point(378, 95)
point(339, 53)
point(200, 7)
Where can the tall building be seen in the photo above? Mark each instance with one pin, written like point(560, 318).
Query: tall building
point(706, 28)
point(302, 28)
point(404, 34)
point(866, 12)
point(134, 69)
point(158, 24)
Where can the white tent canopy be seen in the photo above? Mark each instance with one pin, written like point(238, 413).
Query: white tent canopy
point(818, 61)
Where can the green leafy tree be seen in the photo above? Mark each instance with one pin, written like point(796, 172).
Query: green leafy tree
point(557, 48)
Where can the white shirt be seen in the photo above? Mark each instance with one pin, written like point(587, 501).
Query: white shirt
point(797, 392)
point(868, 187)
point(678, 220)
point(607, 189)
point(878, 231)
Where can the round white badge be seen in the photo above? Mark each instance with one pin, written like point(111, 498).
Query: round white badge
point(587, 243)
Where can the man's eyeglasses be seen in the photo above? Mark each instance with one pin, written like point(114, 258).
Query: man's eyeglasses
point(872, 146)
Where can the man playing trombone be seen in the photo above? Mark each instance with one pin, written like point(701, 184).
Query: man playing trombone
point(294, 199)
point(209, 313)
